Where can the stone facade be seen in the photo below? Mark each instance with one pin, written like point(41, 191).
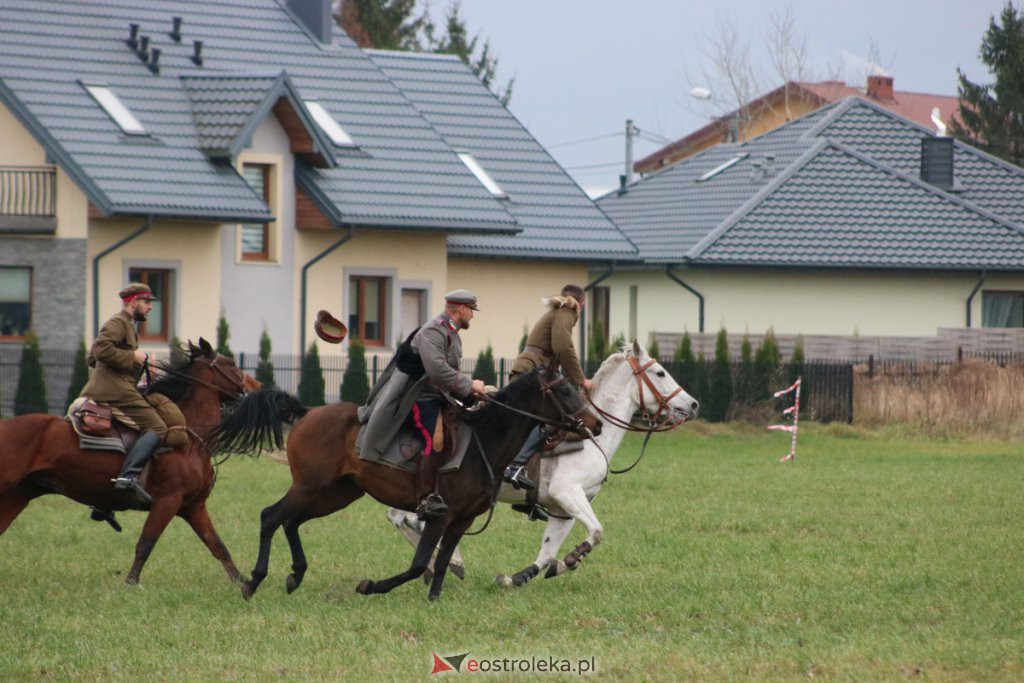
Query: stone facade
point(59, 268)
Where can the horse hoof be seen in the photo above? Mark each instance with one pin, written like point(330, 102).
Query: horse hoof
point(556, 568)
point(433, 597)
point(365, 587)
point(247, 590)
point(291, 583)
point(131, 580)
point(428, 576)
point(459, 570)
point(503, 580)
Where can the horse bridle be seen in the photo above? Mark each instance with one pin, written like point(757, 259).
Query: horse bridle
point(643, 379)
point(571, 421)
point(214, 365)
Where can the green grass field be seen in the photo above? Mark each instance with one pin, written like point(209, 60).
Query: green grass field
point(875, 556)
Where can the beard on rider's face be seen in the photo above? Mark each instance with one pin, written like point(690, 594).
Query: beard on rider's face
point(139, 315)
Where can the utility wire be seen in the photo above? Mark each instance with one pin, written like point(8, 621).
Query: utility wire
point(576, 142)
point(578, 168)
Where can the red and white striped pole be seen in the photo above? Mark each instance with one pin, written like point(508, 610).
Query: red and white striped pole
point(793, 410)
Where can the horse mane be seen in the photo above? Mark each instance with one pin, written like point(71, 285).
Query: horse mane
point(493, 417)
point(172, 382)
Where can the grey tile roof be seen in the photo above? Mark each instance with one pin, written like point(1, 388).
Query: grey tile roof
point(845, 192)
point(403, 175)
point(557, 218)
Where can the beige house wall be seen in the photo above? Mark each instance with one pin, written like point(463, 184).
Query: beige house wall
point(903, 303)
point(191, 249)
point(510, 294)
point(410, 259)
point(19, 148)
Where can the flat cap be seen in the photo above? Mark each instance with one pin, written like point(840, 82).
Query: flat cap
point(462, 296)
point(136, 290)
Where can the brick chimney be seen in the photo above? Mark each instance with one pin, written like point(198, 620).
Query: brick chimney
point(880, 88)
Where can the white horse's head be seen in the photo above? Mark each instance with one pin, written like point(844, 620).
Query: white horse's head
point(650, 387)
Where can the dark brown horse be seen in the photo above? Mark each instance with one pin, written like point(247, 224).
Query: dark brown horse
point(39, 454)
point(328, 475)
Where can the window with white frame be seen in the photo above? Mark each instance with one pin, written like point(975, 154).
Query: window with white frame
point(256, 238)
point(1002, 309)
point(15, 301)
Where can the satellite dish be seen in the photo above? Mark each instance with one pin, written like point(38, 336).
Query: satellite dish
point(940, 127)
point(700, 93)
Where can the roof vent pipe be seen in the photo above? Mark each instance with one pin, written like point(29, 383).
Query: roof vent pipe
point(176, 31)
point(197, 52)
point(154, 60)
point(143, 51)
point(769, 165)
point(133, 36)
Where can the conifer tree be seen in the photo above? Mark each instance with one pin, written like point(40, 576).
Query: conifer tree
point(355, 385)
point(685, 364)
point(597, 347)
point(79, 374)
point(766, 367)
point(993, 113)
point(264, 368)
point(311, 379)
point(701, 385)
point(719, 401)
point(223, 334)
point(798, 368)
point(616, 345)
point(30, 396)
point(745, 375)
point(484, 370)
point(652, 349)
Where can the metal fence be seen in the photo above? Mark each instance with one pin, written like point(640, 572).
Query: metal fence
point(827, 390)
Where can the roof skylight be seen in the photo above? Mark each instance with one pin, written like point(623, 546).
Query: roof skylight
point(329, 125)
point(115, 109)
point(481, 174)
point(721, 167)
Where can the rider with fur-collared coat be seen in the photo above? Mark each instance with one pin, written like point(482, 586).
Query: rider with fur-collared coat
point(549, 343)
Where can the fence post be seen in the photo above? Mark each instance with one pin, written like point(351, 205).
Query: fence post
point(373, 366)
point(501, 374)
point(241, 361)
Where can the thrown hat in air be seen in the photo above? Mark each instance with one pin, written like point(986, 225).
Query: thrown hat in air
point(462, 296)
point(136, 290)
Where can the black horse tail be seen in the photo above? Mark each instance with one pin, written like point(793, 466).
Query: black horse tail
point(256, 423)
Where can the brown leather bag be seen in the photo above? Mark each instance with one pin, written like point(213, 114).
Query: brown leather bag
point(94, 418)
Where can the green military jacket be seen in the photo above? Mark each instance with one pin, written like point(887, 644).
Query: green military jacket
point(112, 358)
point(550, 341)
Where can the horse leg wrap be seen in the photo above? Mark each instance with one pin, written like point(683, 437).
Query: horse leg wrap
point(523, 577)
point(572, 560)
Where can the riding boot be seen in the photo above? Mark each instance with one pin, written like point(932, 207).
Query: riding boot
point(515, 473)
point(430, 505)
point(136, 459)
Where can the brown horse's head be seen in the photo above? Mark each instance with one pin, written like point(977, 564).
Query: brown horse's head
point(569, 407)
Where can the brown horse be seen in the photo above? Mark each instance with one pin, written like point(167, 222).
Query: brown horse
point(328, 475)
point(39, 454)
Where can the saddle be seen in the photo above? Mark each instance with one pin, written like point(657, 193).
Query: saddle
point(451, 440)
point(104, 427)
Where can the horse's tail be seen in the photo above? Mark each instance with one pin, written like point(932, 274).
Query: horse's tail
point(256, 423)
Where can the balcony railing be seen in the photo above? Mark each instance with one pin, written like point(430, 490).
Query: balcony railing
point(28, 198)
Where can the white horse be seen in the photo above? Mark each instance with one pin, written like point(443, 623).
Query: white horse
point(627, 382)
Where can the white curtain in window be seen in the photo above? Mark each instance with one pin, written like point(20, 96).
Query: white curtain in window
point(1002, 309)
point(14, 285)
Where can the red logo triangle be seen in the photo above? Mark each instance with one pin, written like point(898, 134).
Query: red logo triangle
point(440, 665)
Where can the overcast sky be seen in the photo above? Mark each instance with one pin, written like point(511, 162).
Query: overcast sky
point(582, 67)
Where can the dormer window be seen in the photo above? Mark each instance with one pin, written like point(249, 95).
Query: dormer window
point(115, 109)
point(485, 179)
point(328, 125)
point(722, 167)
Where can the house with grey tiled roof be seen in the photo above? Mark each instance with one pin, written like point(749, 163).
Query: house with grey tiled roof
point(850, 220)
point(245, 157)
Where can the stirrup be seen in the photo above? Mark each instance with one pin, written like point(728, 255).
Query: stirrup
point(97, 515)
point(516, 475)
point(132, 485)
point(431, 506)
point(533, 513)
